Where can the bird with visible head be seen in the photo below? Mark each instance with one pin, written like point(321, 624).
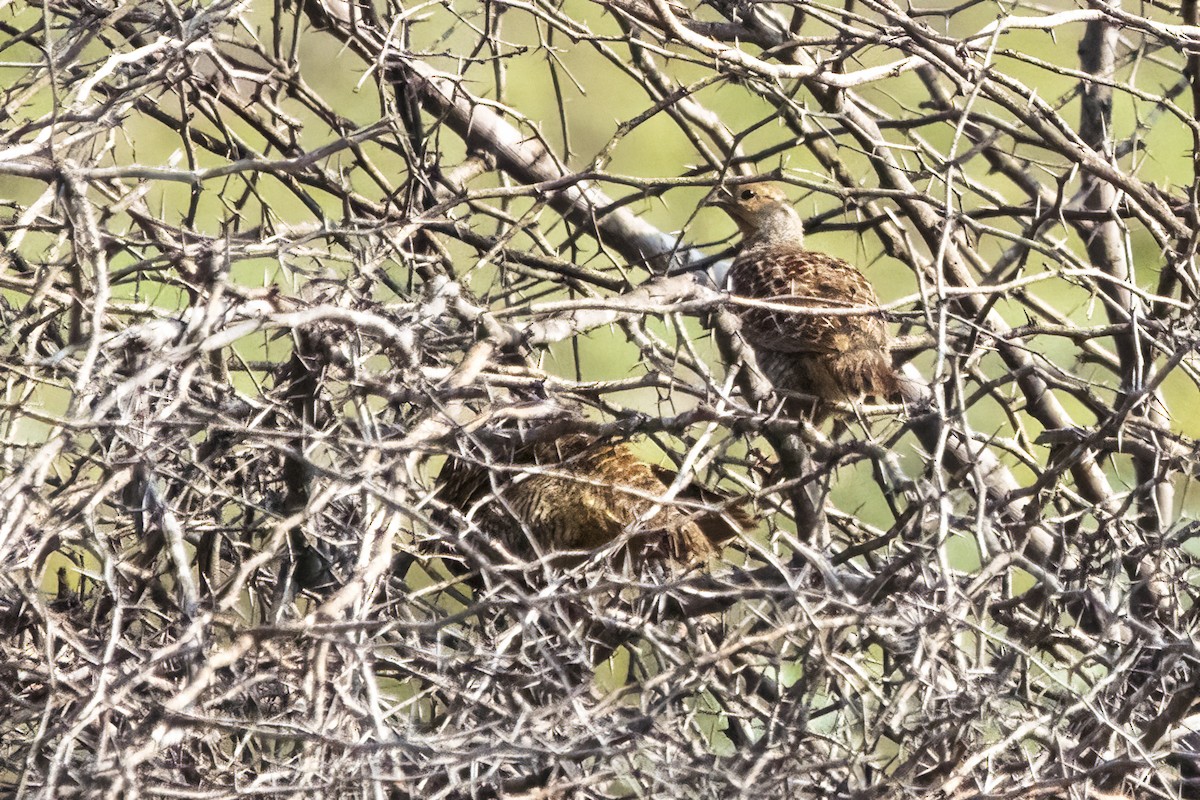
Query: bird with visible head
point(835, 346)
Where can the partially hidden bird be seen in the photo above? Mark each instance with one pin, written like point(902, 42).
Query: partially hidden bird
point(578, 493)
point(827, 354)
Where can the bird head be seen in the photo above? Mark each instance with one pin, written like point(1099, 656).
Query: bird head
point(763, 213)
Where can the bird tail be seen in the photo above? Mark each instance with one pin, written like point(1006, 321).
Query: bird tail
point(727, 518)
point(869, 373)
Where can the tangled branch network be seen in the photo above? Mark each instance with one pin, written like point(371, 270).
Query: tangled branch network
point(389, 413)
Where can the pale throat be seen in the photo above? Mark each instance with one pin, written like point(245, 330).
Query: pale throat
point(775, 226)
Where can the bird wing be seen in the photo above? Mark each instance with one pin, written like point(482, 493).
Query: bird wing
point(804, 279)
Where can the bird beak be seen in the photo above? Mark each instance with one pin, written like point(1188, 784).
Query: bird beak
point(721, 198)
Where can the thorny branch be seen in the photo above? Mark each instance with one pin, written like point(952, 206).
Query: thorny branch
point(263, 273)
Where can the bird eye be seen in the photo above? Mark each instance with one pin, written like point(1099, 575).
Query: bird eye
point(747, 194)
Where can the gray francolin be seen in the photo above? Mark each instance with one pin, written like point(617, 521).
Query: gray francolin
point(577, 493)
point(829, 356)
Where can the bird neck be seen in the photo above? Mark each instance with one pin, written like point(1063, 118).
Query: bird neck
point(780, 227)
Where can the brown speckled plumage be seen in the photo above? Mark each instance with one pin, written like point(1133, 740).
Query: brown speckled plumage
point(833, 357)
point(577, 494)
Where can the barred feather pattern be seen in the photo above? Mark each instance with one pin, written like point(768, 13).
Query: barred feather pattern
point(577, 494)
point(833, 357)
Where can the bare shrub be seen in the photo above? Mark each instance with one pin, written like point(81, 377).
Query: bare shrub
point(266, 267)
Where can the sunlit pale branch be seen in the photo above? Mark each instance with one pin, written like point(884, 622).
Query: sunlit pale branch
point(301, 308)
